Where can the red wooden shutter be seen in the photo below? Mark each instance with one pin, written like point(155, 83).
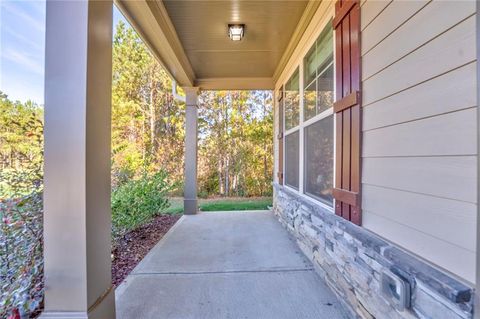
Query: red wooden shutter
point(347, 110)
point(280, 137)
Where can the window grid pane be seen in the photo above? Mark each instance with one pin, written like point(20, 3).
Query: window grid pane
point(310, 69)
point(316, 68)
point(292, 152)
point(325, 89)
point(292, 101)
point(310, 100)
point(318, 160)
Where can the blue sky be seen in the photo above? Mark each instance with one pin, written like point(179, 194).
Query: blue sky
point(22, 48)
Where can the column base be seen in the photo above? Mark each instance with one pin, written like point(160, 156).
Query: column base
point(63, 315)
point(103, 310)
point(190, 206)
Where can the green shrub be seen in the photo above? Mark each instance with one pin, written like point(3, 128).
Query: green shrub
point(21, 257)
point(137, 201)
point(21, 208)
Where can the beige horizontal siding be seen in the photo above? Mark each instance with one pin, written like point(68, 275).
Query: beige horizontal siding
point(454, 91)
point(435, 18)
point(391, 18)
point(448, 134)
point(450, 50)
point(437, 214)
point(370, 10)
point(419, 128)
point(452, 177)
point(440, 253)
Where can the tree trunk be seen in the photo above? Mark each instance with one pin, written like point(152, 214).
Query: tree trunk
point(227, 189)
point(220, 180)
point(152, 115)
point(265, 169)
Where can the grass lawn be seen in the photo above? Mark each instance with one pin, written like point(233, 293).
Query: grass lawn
point(222, 204)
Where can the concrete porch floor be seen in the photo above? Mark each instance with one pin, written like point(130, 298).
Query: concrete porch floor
point(226, 265)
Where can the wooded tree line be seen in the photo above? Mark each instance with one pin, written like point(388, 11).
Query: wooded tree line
point(236, 143)
point(235, 128)
point(147, 121)
point(21, 146)
point(17, 121)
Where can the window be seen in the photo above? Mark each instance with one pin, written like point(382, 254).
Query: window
point(315, 133)
point(280, 137)
point(292, 149)
point(292, 140)
point(319, 159)
point(318, 69)
point(292, 101)
point(318, 107)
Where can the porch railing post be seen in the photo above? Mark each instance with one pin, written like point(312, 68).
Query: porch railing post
point(190, 203)
point(77, 219)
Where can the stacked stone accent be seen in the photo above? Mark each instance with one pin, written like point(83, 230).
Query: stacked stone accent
point(352, 259)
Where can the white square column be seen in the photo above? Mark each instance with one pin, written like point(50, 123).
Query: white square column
point(77, 217)
point(190, 203)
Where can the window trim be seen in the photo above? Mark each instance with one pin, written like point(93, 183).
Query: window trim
point(304, 123)
point(299, 69)
point(297, 189)
point(318, 117)
point(284, 99)
point(316, 88)
point(311, 121)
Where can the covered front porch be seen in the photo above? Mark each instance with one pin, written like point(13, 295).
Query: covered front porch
point(375, 160)
point(190, 40)
point(226, 265)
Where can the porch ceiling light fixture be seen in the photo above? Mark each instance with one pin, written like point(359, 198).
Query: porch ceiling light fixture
point(236, 31)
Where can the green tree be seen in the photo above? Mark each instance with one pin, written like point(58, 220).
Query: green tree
point(236, 143)
point(21, 215)
point(21, 146)
point(147, 122)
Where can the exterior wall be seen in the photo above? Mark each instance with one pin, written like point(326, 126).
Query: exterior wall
point(275, 139)
point(352, 259)
point(419, 128)
point(419, 160)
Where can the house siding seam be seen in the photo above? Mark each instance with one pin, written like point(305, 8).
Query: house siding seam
point(419, 129)
point(351, 260)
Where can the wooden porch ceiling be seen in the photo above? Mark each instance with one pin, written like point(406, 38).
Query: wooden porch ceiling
point(190, 38)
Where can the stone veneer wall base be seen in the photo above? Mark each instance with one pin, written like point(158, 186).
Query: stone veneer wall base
point(351, 260)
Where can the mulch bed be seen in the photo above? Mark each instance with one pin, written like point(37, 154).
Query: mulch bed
point(131, 248)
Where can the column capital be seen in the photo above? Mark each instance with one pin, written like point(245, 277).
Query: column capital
point(191, 89)
point(191, 95)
